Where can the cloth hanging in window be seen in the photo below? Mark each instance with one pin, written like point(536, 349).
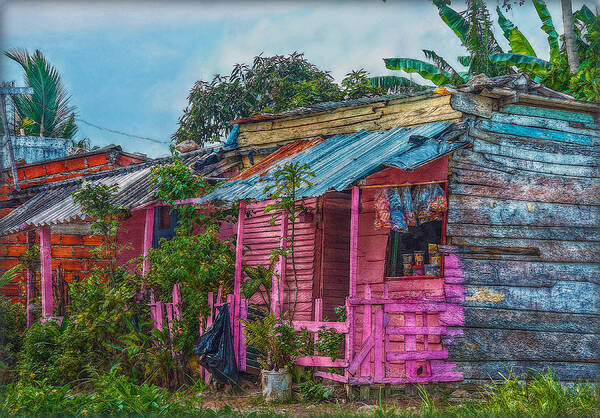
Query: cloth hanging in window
point(396, 211)
point(382, 209)
point(430, 202)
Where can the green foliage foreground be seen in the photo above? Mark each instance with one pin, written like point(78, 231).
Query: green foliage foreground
point(115, 395)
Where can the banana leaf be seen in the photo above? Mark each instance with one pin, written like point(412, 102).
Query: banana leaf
point(585, 16)
point(424, 69)
point(526, 63)
point(455, 21)
point(518, 42)
point(390, 82)
point(464, 60)
point(548, 27)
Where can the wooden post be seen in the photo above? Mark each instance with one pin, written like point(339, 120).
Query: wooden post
point(177, 301)
point(148, 232)
point(365, 369)
point(278, 282)
point(353, 271)
point(170, 325)
point(378, 375)
point(410, 344)
point(237, 284)
point(354, 240)
point(8, 141)
point(243, 315)
point(30, 281)
point(46, 272)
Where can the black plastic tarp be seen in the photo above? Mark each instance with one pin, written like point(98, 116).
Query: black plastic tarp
point(215, 348)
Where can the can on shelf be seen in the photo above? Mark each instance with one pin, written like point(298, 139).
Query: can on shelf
point(407, 258)
point(419, 258)
point(407, 269)
point(432, 248)
point(435, 258)
point(432, 270)
point(418, 271)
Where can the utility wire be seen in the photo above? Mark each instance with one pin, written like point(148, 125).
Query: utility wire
point(158, 141)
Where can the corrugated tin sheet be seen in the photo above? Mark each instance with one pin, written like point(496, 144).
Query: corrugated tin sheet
point(54, 204)
point(342, 159)
point(285, 151)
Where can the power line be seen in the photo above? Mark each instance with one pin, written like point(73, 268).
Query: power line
point(158, 141)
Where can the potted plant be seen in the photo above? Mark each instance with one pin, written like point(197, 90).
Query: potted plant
point(277, 343)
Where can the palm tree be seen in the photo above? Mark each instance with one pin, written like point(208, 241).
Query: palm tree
point(45, 113)
point(569, 28)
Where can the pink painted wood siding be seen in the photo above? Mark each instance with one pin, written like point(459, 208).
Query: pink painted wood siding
point(260, 237)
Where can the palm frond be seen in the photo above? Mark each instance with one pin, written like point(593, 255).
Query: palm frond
point(424, 69)
point(455, 21)
point(548, 27)
point(518, 42)
point(526, 63)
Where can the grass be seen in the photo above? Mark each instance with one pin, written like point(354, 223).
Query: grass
point(541, 396)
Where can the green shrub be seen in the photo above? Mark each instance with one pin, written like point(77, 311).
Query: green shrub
point(40, 346)
point(12, 323)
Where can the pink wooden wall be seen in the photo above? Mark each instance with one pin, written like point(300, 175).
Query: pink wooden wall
point(260, 237)
point(371, 269)
point(131, 235)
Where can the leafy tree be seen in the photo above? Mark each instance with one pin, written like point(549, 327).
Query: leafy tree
point(45, 113)
point(270, 85)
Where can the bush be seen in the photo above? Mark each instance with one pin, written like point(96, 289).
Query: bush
point(12, 323)
point(40, 346)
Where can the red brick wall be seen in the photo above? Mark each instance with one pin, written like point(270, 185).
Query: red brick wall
point(71, 252)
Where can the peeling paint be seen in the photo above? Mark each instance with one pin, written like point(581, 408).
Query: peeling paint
point(486, 295)
point(530, 207)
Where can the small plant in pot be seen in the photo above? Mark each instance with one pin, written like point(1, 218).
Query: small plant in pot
point(277, 342)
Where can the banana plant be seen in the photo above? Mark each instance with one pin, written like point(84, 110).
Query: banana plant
point(473, 28)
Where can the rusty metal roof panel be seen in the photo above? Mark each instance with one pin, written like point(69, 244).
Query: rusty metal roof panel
point(342, 159)
point(54, 204)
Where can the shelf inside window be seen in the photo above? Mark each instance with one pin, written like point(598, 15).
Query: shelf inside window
point(411, 277)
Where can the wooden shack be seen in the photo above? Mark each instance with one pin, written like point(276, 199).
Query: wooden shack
point(519, 284)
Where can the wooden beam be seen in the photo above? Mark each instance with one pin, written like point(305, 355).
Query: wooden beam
point(30, 281)
point(148, 232)
point(237, 284)
point(46, 272)
point(354, 240)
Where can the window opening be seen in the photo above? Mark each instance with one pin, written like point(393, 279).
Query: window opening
point(165, 223)
point(414, 216)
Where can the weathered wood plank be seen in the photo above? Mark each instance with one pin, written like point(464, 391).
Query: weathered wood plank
point(541, 122)
point(472, 104)
point(402, 114)
point(477, 344)
point(483, 371)
point(492, 318)
point(563, 296)
point(417, 355)
point(545, 112)
point(532, 232)
point(538, 188)
point(515, 165)
point(547, 134)
point(559, 251)
point(526, 273)
point(492, 211)
point(521, 150)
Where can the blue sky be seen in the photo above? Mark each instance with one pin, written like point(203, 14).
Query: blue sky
point(129, 65)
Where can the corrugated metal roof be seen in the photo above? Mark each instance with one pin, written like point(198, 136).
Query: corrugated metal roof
point(340, 160)
point(285, 151)
point(53, 203)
